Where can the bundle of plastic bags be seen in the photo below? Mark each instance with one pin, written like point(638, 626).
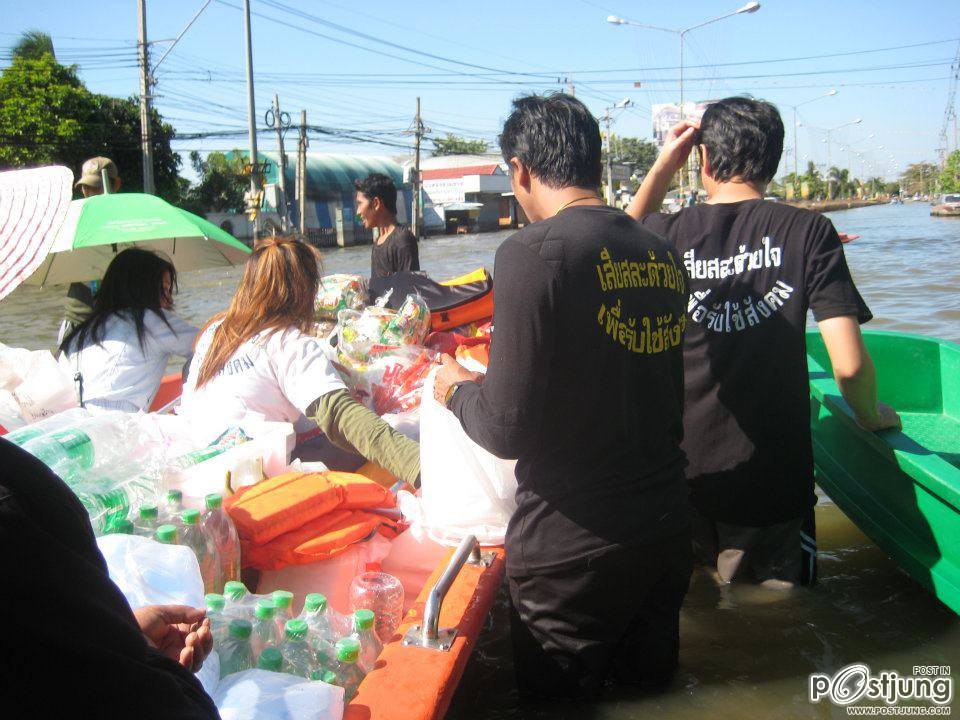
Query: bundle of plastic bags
point(390, 378)
point(33, 386)
point(339, 292)
point(360, 332)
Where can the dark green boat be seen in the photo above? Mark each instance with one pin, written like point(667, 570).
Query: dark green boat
point(901, 488)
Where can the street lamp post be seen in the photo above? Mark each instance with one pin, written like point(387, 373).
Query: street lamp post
point(829, 132)
point(608, 120)
point(796, 124)
point(750, 7)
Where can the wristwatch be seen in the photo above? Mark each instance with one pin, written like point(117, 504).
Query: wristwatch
point(451, 390)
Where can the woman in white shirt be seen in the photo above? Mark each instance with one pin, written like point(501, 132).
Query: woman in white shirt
point(259, 360)
point(120, 352)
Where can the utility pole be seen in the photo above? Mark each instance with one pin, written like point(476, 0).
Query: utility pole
point(281, 122)
point(415, 221)
point(302, 174)
point(610, 195)
point(252, 124)
point(146, 139)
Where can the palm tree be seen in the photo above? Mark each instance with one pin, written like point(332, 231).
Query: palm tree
point(33, 45)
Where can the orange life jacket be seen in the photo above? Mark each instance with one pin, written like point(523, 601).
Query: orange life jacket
point(284, 503)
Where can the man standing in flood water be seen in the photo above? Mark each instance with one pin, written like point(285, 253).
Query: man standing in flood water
point(755, 269)
point(585, 388)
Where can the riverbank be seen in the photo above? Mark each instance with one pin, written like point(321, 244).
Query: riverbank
point(839, 204)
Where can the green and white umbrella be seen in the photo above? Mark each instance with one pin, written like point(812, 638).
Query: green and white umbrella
point(97, 228)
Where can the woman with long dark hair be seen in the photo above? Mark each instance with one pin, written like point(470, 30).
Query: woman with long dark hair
point(259, 360)
point(119, 353)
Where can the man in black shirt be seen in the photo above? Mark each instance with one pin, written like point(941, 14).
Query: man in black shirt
point(395, 248)
point(584, 388)
point(755, 268)
point(72, 647)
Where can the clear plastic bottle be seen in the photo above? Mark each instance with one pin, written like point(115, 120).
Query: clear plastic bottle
point(121, 527)
point(370, 645)
point(220, 528)
point(109, 500)
point(298, 658)
point(283, 602)
point(57, 457)
point(264, 627)
point(348, 672)
point(61, 420)
point(236, 653)
point(270, 659)
point(147, 522)
point(202, 546)
point(383, 594)
point(219, 622)
point(321, 634)
point(96, 443)
point(239, 601)
point(172, 507)
point(168, 535)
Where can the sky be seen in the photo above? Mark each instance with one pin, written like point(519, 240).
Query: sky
point(357, 68)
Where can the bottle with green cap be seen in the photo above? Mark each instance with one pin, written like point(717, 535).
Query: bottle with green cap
point(168, 535)
point(147, 520)
point(239, 601)
point(270, 659)
point(172, 506)
point(283, 601)
point(321, 636)
point(121, 527)
point(348, 672)
point(219, 622)
point(364, 633)
point(264, 626)
point(236, 653)
point(194, 538)
point(298, 658)
point(220, 529)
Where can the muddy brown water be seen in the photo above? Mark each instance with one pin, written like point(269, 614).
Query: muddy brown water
point(746, 652)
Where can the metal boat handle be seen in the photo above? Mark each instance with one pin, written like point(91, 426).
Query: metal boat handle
point(428, 634)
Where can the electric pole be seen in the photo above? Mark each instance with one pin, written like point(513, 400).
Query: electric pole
point(302, 174)
point(146, 139)
point(281, 122)
point(415, 222)
point(254, 206)
point(610, 196)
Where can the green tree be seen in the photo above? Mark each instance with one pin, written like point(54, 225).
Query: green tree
point(32, 45)
point(950, 175)
point(47, 116)
point(919, 178)
point(639, 153)
point(813, 179)
point(456, 145)
point(221, 184)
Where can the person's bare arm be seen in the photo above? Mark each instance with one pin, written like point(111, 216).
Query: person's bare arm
point(855, 373)
point(676, 149)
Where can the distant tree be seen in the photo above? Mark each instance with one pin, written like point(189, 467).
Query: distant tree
point(813, 180)
point(639, 153)
point(32, 45)
point(919, 178)
point(48, 117)
point(874, 186)
point(456, 145)
point(950, 176)
point(221, 184)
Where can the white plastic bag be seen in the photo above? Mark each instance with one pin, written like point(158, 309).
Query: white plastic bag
point(38, 385)
point(464, 489)
point(152, 573)
point(209, 674)
point(265, 695)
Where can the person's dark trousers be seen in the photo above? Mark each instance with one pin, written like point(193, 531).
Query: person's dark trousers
point(614, 616)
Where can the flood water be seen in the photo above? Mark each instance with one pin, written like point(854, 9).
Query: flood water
point(745, 652)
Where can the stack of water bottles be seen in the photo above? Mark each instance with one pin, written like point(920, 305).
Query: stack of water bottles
point(259, 631)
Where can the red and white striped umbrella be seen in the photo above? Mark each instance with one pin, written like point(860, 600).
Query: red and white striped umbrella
point(33, 205)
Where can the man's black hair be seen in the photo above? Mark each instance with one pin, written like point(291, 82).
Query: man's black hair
point(378, 185)
point(744, 139)
point(556, 138)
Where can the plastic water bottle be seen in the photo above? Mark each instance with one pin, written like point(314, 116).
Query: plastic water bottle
point(168, 535)
point(383, 594)
point(298, 658)
point(321, 636)
point(122, 527)
point(202, 546)
point(57, 457)
point(219, 622)
point(59, 421)
point(173, 506)
point(219, 527)
point(283, 602)
point(239, 600)
point(348, 672)
point(264, 627)
point(236, 654)
point(109, 500)
point(148, 519)
point(96, 443)
point(370, 645)
point(270, 659)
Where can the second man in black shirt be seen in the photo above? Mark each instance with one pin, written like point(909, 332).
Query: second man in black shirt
point(396, 247)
